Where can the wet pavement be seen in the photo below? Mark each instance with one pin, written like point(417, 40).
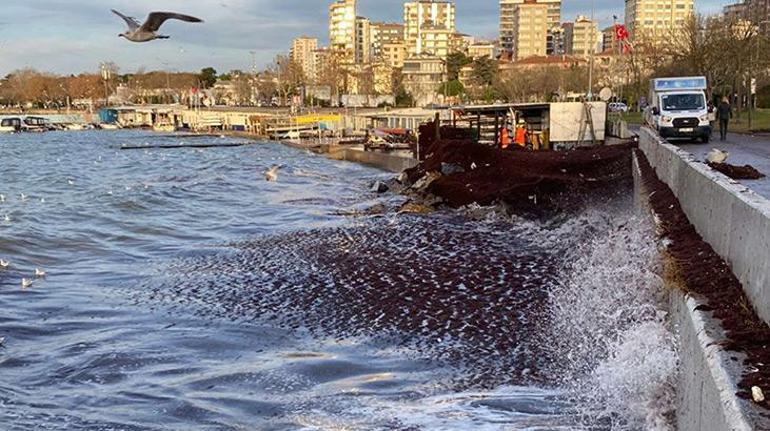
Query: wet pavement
point(744, 150)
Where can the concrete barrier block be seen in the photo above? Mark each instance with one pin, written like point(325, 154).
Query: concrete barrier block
point(734, 220)
point(706, 399)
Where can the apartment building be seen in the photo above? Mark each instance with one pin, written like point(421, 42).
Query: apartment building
point(583, 37)
point(363, 40)
point(555, 41)
point(304, 53)
point(507, 11)
point(384, 33)
point(656, 20)
point(429, 26)
point(530, 29)
point(342, 30)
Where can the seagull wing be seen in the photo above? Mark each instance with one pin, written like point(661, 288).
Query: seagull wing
point(156, 19)
point(132, 23)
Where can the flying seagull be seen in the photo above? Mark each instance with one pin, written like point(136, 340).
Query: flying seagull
point(146, 32)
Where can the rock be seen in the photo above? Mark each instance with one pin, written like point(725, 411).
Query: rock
point(379, 187)
point(424, 182)
point(415, 208)
point(402, 178)
point(451, 169)
point(374, 210)
point(757, 394)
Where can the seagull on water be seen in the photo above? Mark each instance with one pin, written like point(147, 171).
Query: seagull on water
point(26, 283)
point(4, 264)
point(272, 174)
point(146, 32)
point(39, 273)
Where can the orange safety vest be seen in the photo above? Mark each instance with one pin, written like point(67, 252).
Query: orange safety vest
point(505, 139)
point(521, 136)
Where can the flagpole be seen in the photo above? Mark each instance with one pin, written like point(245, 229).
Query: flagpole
point(591, 65)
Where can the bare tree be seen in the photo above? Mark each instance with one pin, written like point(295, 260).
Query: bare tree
point(289, 76)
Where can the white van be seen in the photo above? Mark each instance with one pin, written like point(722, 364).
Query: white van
point(678, 108)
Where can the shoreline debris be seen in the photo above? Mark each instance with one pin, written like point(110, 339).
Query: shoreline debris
point(717, 156)
point(746, 172)
point(463, 172)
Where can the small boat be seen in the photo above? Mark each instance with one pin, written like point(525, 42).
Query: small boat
point(164, 127)
point(37, 124)
point(74, 127)
point(109, 126)
point(10, 125)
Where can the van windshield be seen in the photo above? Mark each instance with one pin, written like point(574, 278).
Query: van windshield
point(684, 102)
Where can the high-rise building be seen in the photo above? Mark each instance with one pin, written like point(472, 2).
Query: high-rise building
point(342, 30)
point(384, 33)
point(363, 40)
point(583, 37)
point(656, 20)
point(429, 26)
point(304, 52)
point(507, 9)
point(609, 42)
point(530, 29)
point(555, 43)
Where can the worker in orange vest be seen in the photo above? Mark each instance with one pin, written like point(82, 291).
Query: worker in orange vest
point(505, 138)
point(521, 133)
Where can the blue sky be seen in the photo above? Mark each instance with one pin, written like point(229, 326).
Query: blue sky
point(72, 36)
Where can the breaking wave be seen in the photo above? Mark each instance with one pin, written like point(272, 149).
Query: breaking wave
point(614, 348)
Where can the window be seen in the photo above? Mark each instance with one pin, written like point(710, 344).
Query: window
point(683, 102)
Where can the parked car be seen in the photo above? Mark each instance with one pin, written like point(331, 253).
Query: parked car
point(618, 107)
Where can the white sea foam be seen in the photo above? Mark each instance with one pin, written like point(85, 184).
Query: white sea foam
point(609, 326)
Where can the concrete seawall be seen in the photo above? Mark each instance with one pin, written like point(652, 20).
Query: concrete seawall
point(388, 162)
point(728, 215)
point(708, 375)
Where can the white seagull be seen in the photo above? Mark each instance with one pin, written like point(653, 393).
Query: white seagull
point(4, 264)
point(26, 283)
point(272, 174)
point(146, 32)
point(39, 273)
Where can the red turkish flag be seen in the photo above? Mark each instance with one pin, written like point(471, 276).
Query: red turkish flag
point(621, 33)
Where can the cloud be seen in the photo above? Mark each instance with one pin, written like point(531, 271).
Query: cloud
point(75, 35)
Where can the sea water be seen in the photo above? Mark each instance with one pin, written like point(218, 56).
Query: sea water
point(185, 292)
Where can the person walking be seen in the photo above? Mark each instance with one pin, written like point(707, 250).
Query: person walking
point(724, 113)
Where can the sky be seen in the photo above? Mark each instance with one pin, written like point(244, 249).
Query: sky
point(74, 36)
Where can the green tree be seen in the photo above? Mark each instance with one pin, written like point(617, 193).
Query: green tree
point(484, 71)
point(454, 62)
point(452, 88)
point(403, 98)
point(208, 77)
